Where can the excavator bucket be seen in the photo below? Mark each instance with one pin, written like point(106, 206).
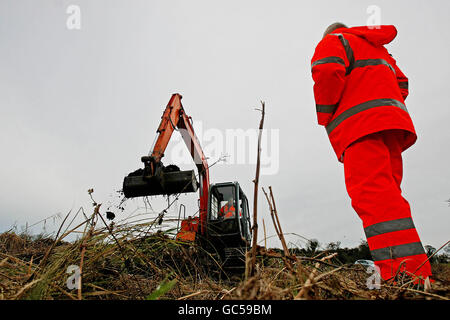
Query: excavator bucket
point(137, 184)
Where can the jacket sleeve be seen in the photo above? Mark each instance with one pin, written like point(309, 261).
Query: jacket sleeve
point(328, 67)
point(402, 80)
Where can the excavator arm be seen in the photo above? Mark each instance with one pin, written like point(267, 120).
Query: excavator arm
point(169, 122)
point(155, 178)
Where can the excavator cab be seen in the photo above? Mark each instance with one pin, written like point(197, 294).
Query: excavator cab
point(228, 223)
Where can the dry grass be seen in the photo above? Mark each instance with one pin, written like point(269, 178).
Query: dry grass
point(116, 263)
point(119, 265)
point(128, 261)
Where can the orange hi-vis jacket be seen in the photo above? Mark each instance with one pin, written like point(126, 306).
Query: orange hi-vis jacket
point(228, 212)
point(358, 87)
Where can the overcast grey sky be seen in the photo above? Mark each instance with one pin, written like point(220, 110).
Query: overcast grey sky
point(79, 107)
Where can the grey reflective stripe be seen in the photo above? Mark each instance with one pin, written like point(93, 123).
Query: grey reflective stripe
point(372, 62)
point(328, 60)
point(400, 251)
point(362, 107)
point(403, 84)
point(326, 108)
point(348, 51)
point(389, 226)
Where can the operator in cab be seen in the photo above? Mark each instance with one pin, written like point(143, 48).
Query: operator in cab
point(228, 211)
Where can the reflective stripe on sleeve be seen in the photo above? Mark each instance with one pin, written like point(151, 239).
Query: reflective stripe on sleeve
point(326, 108)
point(363, 107)
point(400, 251)
point(328, 60)
point(389, 226)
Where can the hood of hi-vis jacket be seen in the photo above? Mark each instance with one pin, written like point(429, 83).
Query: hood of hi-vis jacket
point(358, 87)
point(378, 36)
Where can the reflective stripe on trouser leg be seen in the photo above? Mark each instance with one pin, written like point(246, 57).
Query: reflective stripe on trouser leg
point(398, 251)
point(386, 215)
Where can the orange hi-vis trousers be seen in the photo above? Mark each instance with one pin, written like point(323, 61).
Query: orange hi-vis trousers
point(373, 174)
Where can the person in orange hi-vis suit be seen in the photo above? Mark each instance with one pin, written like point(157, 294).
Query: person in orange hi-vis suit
point(228, 211)
point(360, 99)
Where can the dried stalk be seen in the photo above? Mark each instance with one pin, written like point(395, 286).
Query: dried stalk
point(265, 236)
point(83, 248)
point(252, 264)
point(25, 288)
point(276, 223)
point(303, 294)
point(281, 235)
point(193, 294)
point(271, 213)
point(432, 256)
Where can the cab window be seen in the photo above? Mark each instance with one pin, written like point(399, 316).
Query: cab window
point(223, 203)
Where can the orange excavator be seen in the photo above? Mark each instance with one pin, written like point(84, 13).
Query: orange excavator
point(226, 234)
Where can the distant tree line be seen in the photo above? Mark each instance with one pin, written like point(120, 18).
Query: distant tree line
point(344, 255)
point(362, 251)
point(443, 257)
